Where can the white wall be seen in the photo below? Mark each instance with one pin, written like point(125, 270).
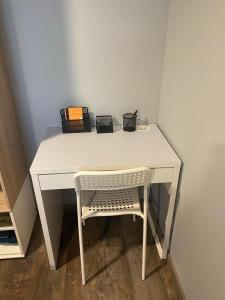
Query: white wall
point(191, 114)
point(107, 55)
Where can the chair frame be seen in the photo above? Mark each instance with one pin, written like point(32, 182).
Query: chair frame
point(112, 185)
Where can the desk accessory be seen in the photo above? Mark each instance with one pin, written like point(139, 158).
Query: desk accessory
point(74, 113)
point(129, 121)
point(5, 220)
point(143, 128)
point(75, 119)
point(8, 237)
point(104, 124)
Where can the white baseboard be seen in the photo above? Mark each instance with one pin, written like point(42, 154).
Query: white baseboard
point(169, 258)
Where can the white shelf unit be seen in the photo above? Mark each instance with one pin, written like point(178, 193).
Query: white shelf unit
point(8, 250)
point(16, 194)
point(20, 220)
point(6, 228)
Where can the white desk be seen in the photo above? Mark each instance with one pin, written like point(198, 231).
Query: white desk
point(61, 155)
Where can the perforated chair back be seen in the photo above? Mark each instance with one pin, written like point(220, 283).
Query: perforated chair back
point(111, 180)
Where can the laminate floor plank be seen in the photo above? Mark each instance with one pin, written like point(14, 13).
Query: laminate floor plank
point(113, 250)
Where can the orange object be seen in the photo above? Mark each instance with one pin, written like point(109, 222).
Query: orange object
point(75, 113)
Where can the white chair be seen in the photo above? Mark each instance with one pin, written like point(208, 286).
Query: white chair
point(111, 193)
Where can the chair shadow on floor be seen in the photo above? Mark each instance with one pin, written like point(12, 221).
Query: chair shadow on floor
point(102, 269)
point(95, 230)
point(156, 269)
point(69, 246)
point(115, 232)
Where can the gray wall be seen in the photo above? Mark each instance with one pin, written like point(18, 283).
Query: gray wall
point(107, 55)
point(191, 114)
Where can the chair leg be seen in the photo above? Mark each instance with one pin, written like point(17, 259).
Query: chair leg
point(134, 218)
point(145, 220)
point(83, 222)
point(81, 251)
point(144, 248)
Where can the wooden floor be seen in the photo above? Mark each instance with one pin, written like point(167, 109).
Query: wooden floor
point(113, 265)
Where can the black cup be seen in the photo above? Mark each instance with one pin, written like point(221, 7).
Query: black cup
point(129, 122)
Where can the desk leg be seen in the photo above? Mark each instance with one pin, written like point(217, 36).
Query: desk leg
point(169, 218)
point(50, 209)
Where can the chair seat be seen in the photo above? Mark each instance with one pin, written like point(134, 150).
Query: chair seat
point(110, 203)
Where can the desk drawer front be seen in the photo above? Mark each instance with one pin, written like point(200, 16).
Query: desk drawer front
point(162, 175)
point(56, 181)
point(65, 181)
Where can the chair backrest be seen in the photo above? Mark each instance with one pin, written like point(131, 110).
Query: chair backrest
point(111, 180)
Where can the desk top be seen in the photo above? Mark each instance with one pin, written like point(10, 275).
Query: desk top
point(65, 153)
